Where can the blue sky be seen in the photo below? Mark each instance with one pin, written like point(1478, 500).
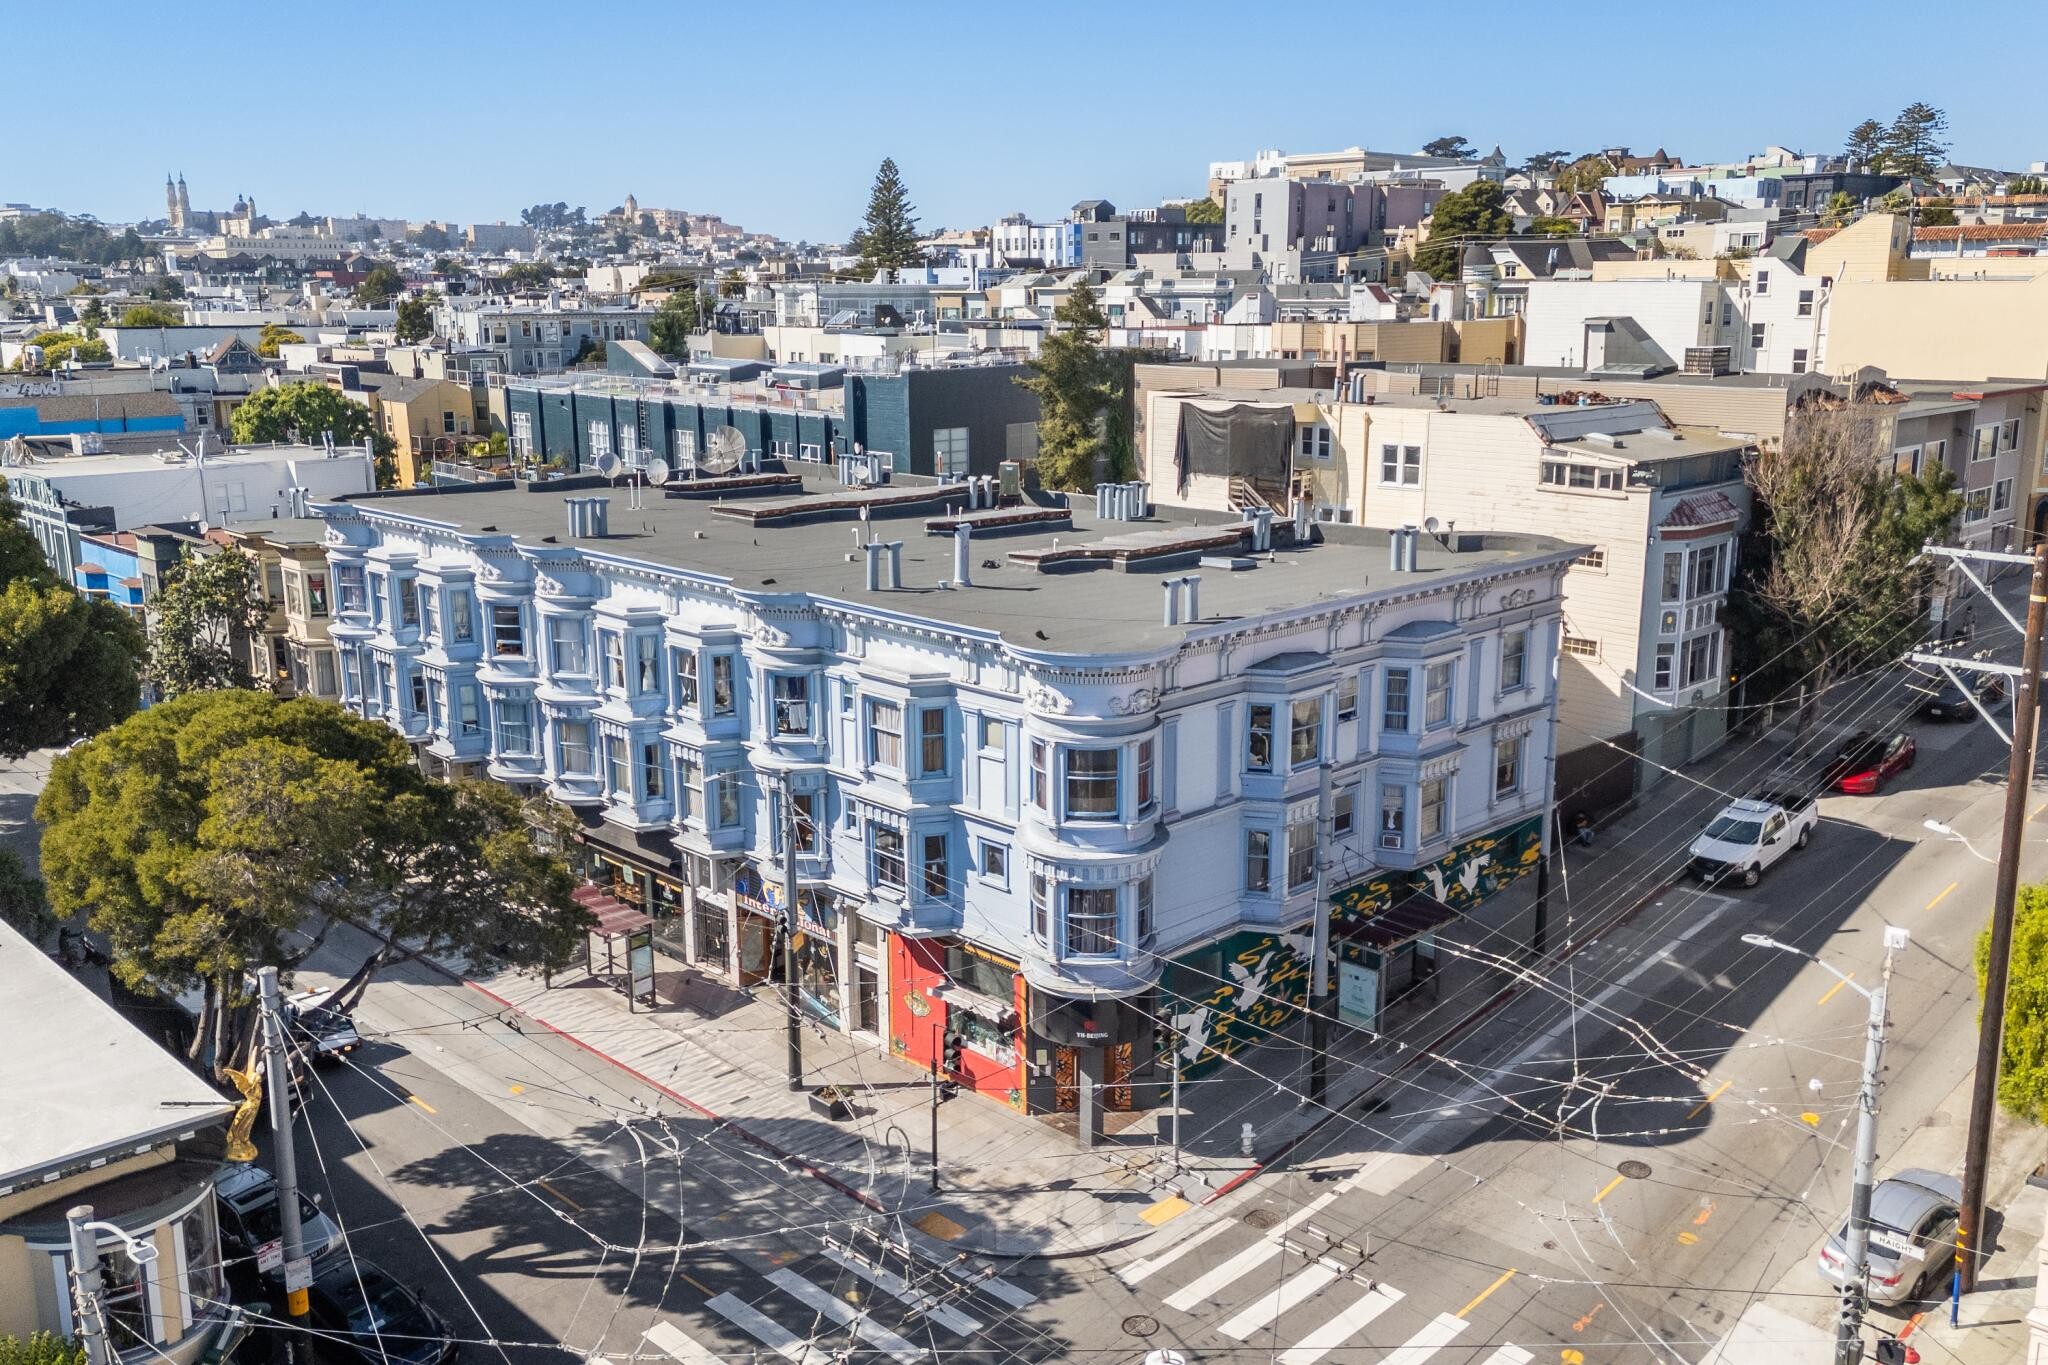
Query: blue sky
point(776, 115)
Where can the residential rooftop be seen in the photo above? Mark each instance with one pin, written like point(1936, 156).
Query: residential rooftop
point(83, 1085)
point(1098, 590)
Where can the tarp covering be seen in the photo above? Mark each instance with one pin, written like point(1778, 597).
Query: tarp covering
point(1244, 441)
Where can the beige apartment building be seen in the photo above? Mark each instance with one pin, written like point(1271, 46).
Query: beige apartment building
point(291, 653)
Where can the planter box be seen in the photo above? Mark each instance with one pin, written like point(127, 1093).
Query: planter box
point(837, 1110)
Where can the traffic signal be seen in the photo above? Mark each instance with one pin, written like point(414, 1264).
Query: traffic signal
point(1892, 1351)
point(956, 1054)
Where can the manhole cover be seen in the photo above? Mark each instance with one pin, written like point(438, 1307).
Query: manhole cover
point(1141, 1325)
point(1262, 1218)
point(1634, 1170)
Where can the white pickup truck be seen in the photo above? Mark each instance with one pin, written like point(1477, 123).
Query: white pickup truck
point(1750, 835)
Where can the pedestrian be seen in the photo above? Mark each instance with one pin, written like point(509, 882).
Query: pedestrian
point(1582, 829)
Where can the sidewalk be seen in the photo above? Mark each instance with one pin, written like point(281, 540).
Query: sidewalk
point(1017, 1186)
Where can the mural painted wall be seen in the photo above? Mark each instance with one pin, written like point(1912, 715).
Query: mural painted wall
point(1232, 994)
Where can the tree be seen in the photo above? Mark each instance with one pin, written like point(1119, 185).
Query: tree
point(1913, 145)
point(887, 239)
point(1839, 209)
point(1554, 227)
point(93, 315)
point(1938, 212)
point(673, 323)
point(164, 287)
point(1896, 201)
point(53, 234)
point(379, 286)
point(58, 347)
point(2023, 1056)
point(216, 832)
point(432, 237)
point(69, 665)
point(274, 335)
point(1205, 211)
point(300, 411)
point(2025, 184)
point(22, 902)
point(1833, 579)
point(591, 352)
point(1473, 214)
point(204, 614)
point(1069, 378)
point(732, 285)
point(1449, 146)
point(83, 289)
point(41, 1348)
point(1585, 174)
point(1865, 145)
point(528, 275)
point(415, 320)
point(151, 315)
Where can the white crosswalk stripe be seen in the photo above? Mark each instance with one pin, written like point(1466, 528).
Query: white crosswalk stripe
point(1290, 1291)
point(1246, 1261)
point(846, 1315)
point(1426, 1343)
point(760, 1327)
point(900, 1289)
point(1341, 1328)
point(1137, 1272)
point(1509, 1355)
point(680, 1346)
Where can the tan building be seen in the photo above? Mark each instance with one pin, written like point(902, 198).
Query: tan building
point(1992, 326)
point(119, 1125)
point(291, 653)
point(426, 419)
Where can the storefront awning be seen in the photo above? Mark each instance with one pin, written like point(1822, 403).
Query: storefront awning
point(1407, 919)
point(614, 917)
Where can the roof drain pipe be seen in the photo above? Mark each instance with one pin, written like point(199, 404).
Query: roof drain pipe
point(962, 555)
point(1172, 589)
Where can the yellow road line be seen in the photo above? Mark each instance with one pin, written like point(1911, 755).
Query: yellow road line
point(543, 1183)
point(1836, 989)
point(1608, 1188)
point(1487, 1292)
point(423, 1104)
point(695, 1284)
point(1941, 894)
point(1719, 1091)
point(2035, 813)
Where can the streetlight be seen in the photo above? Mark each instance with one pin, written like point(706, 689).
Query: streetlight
point(1945, 832)
point(1855, 1288)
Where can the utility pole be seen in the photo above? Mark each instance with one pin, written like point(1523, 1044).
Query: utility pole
point(937, 1043)
point(87, 1306)
point(793, 1034)
point(1991, 1027)
point(276, 1075)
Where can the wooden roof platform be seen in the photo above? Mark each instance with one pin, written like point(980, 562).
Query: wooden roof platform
point(846, 504)
point(728, 485)
point(1001, 519)
point(1137, 546)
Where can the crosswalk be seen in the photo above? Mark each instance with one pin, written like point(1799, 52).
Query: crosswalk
point(939, 1298)
point(1280, 1289)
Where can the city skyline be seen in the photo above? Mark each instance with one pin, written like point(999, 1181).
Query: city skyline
point(1017, 128)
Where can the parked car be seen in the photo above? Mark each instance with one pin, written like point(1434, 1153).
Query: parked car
point(369, 1318)
point(1943, 700)
point(1866, 761)
point(246, 1197)
point(326, 1034)
point(1750, 835)
point(1916, 1210)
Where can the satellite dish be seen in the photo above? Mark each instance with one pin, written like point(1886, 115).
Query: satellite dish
point(657, 471)
point(1429, 524)
point(723, 451)
point(607, 464)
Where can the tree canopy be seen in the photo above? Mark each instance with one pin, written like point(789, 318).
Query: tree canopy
point(1205, 211)
point(678, 317)
point(274, 335)
point(53, 234)
point(1450, 146)
point(528, 275)
point(210, 835)
point(415, 320)
point(69, 664)
point(1865, 144)
point(379, 286)
point(41, 1348)
point(300, 411)
point(1473, 214)
point(887, 238)
point(555, 215)
point(205, 611)
point(22, 902)
point(151, 315)
point(2023, 1059)
point(1938, 212)
point(1585, 174)
point(58, 347)
point(1069, 376)
point(1912, 144)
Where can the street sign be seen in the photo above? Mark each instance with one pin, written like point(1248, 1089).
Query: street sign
point(270, 1256)
point(1896, 1241)
point(298, 1274)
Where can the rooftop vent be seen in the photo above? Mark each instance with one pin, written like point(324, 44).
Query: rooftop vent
point(588, 517)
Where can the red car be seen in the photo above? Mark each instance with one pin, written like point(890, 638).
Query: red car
point(1868, 761)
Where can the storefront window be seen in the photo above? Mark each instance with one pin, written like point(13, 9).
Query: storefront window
point(714, 945)
point(817, 975)
point(983, 976)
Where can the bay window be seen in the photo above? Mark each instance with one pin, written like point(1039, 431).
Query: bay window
point(727, 813)
point(686, 679)
point(646, 664)
point(1301, 851)
point(1394, 714)
point(1091, 783)
point(885, 734)
point(461, 616)
point(1393, 815)
point(614, 645)
point(885, 856)
point(508, 630)
point(722, 700)
point(931, 741)
point(1258, 860)
point(572, 741)
point(566, 652)
point(1258, 738)
point(1305, 741)
point(935, 879)
point(618, 776)
point(515, 728)
point(1091, 921)
point(1436, 693)
point(1435, 798)
point(791, 697)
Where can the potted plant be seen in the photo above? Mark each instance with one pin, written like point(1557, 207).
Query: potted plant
point(833, 1102)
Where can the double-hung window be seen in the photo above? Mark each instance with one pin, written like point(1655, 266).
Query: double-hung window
point(885, 735)
point(803, 808)
point(1258, 860)
point(469, 719)
point(408, 602)
point(572, 740)
point(508, 631)
point(566, 645)
point(1143, 788)
point(1343, 811)
point(1393, 815)
point(727, 813)
point(1436, 693)
point(349, 580)
point(1041, 778)
point(933, 865)
point(1305, 738)
point(1091, 783)
point(1142, 914)
point(1435, 796)
point(618, 773)
point(1394, 715)
point(1507, 766)
point(931, 741)
point(461, 616)
point(885, 856)
point(792, 700)
point(430, 618)
point(1347, 697)
point(686, 679)
point(515, 728)
point(1514, 660)
point(1091, 921)
point(722, 701)
point(1401, 465)
point(1041, 906)
point(316, 595)
point(614, 659)
point(1258, 738)
point(646, 664)
point(653, 772)
point(1301, 851)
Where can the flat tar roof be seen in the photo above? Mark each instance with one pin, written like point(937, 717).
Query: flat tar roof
point(1071, 610)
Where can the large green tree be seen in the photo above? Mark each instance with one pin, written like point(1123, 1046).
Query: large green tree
point(887, 238)
point(203, 618)
point(415, 320)
point(69, 664)
point(41, 1348)
point(1833, 577)
point(1585, 174)
point(151, 315)
point(22, 902)
point(1473, 214)
point(300, 411)
point(1914, 144)
point(1865, 145)
point(1450, 146)
point(1938, 212)
point(1205, 211)
point(2023, 1059)
point(379, 286)
point(220, 831)
point(1072, 384)
point(670, 329)
point(57, 347)
point(273, 336)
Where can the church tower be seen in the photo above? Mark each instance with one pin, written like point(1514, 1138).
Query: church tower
point(184, 203)
point(170, 201)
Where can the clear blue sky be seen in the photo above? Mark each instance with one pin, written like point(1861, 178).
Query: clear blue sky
point(775, 115)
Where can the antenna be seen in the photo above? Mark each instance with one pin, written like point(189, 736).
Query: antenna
point(607, 464)
point(724, 450)
point(1430, 524)
point(657, 472)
